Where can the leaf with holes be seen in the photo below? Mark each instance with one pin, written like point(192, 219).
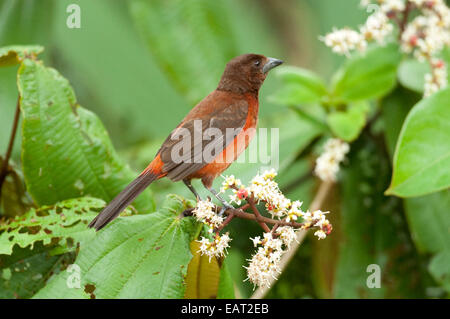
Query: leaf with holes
point(141, 256)
point(66, 150)
point(14, 54)
point(64, 223)
point(24, 272)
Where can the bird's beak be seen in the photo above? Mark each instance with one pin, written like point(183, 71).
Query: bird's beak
point(270, 64)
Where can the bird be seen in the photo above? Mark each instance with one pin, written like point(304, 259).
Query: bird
point(211, 136)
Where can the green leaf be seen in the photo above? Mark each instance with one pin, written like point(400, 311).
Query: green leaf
point(367, 76)
point(299, 86)
point(15, 54)
point(411, 74)
point(226, 286)
point(422, 155)
point(64, 223)
point(440, 270)
point(66, 151)
point(429, 221)
point(24, 272)
point(348, 124)
point(203, 275)
point(395, 108)
point(141, 256)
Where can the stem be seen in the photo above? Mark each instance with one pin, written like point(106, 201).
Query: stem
point(258, 215)
point(225, 222)
point(4, 169)
point(320, 197)
point(261, 219)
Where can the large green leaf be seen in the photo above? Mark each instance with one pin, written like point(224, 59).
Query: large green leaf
point(64, 223)
point(367, 76)
point(24, 272)
point(142, 256)
point(66, 151)
point(422, 156)
point(299, 86)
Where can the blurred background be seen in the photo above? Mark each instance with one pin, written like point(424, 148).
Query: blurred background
point(141, 65)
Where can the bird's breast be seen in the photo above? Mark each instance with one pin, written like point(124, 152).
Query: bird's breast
point(235, 148)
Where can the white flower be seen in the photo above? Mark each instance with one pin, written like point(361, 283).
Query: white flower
point(320, 234)
point(216, 248)
point(344, 41)
point(287, 235)
point(229, 182)
point(264, 188)
point(377, 28)
point(294, 212)
point(437, 79)
point(392, 5)
point(264, 265)
point(204, 213)
point(256, 241)
point(327, 164)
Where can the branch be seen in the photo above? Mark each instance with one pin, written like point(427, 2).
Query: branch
point(239, 213)
point(4, 169)
point(318, 201)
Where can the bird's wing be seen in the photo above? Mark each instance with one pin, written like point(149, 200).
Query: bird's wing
point(198, 140)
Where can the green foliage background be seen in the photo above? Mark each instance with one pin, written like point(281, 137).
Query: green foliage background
point(98, 101)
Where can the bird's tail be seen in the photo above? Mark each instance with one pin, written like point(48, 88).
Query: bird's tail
point(125, 197)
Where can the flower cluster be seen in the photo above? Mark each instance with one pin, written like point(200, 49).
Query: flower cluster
point(216, 248)
point(264, 264)
point(327, 164)
point(344, 41)
point(424, 37)
point(204, 212)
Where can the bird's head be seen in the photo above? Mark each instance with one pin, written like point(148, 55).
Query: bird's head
point(246, 73)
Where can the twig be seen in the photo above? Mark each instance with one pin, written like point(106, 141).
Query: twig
point(257, 214)
point(4, 169)
point(262, 219)
point(320, 197)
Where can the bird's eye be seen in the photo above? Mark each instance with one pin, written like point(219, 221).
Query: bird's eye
point(257, 63)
